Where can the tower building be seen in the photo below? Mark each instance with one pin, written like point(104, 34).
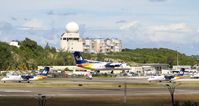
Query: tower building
point(70, 39)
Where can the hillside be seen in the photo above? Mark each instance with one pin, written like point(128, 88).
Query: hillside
point(147, 55)
point(30, 55)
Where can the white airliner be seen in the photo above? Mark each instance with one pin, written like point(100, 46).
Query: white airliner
point(160, 78)
point(20, 78)
point(167, 78)
point(97, 65)
point(195, 76)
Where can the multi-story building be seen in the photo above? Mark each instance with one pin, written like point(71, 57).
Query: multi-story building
point(99, 45)
point(71, 41)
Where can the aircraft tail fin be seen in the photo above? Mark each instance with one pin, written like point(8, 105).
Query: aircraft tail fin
point(45, 71)
point(42, 75)
point(78, 58)
point(180, 74)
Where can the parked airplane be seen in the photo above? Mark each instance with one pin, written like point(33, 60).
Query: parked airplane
point(167, 78)
point(97, 65)
point(195, 76)
point(20, 78)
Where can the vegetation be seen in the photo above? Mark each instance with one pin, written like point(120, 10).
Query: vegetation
point(151, 100)
point(146, 55)
point(154, 55)
point(30, 55)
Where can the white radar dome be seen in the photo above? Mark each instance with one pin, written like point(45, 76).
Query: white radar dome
point(72, 27)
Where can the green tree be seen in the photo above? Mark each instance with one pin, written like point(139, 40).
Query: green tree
point(5, 56)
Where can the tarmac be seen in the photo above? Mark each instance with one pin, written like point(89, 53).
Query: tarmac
point(82, 91)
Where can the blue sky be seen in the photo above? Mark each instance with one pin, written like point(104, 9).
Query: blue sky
point(170, 24)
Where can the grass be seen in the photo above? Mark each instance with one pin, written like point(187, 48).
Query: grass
point(99, 101)
point(149, 100)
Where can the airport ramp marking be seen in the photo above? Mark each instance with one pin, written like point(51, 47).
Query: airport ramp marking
point(13, 90)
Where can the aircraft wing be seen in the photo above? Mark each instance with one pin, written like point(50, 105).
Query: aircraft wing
point(92, 61)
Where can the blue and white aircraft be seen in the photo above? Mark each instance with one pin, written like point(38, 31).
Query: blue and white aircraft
point(97, 65)
point(20, 78)
point(161, 78)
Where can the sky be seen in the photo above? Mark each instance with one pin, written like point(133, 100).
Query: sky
point(172, 24)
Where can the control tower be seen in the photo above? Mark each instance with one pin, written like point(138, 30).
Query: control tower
point(70, 39)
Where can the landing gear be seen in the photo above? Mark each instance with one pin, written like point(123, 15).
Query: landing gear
point(28, 81)
point(19, 81)
point(4, 81)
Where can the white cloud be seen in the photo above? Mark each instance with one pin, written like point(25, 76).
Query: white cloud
point(33, 23)
point(181, 27)
point(171, 37)
point(176, 33)
point(129, 25)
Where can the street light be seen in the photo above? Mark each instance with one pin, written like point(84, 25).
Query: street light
point(171, 87)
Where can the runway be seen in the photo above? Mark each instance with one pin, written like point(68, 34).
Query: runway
point(103, 87)
point(91, 92)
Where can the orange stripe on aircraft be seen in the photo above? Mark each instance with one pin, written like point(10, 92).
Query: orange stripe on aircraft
point(87, 66)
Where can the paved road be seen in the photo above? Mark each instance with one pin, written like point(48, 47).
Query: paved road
point(82, 91)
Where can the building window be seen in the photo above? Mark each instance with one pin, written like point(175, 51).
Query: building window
point(72, 39)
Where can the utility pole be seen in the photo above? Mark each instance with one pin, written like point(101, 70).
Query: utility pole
point(177, 57)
